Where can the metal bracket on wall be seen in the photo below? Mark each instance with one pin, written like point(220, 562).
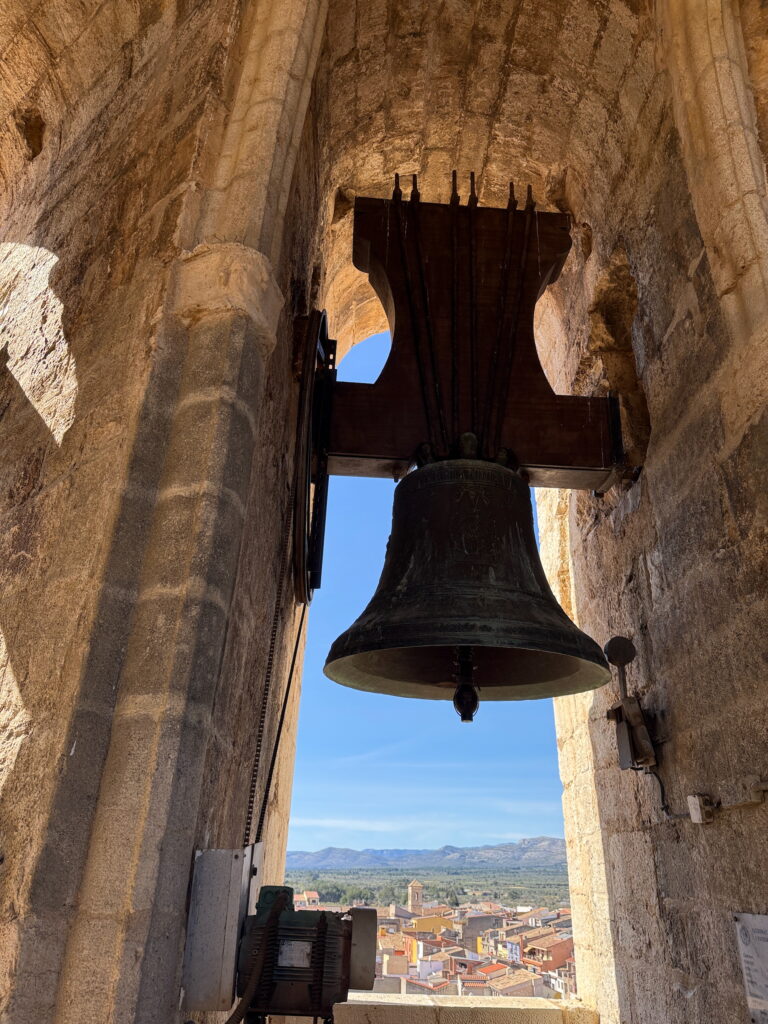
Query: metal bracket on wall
point(225, 887)
point(316, 371)
point(702, 808)
point(632, 737)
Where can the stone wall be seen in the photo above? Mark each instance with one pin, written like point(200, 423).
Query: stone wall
point(146, 404)
point(88, 235)
point(676, 562)
point(383, 1008)
point(613, 115)
point(177, 185)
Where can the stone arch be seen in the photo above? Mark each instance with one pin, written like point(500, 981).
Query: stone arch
point(524, 91)
point(354, 310)
point(568, 97)
point(609, 362)
point(476, 88)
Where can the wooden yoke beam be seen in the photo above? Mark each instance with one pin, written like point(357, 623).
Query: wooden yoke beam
point(459, 285)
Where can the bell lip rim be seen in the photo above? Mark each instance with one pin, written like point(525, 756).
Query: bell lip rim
point(433, 691)
point(467, 641)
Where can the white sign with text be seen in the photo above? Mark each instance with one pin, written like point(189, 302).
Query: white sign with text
point(752, 936)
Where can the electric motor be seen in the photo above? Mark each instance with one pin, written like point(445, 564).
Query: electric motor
point(301, 962)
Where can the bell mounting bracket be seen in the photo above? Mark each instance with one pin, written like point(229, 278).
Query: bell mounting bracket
point(316, 371)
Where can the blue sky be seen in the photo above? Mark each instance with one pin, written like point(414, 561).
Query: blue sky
point(379, 771)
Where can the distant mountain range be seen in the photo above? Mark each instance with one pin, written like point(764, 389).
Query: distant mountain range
point(540, 852)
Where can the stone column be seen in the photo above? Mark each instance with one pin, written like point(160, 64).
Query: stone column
point(204, 128)
point(715, 115)
point(587, 872)
point(123, 951)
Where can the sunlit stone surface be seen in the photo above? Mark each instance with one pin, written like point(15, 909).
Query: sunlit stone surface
point(147, 433)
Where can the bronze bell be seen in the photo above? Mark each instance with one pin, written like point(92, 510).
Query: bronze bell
point(463, 601)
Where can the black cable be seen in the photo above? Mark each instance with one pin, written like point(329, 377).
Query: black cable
point(662, 791)
point(668, 813)
point(269, 936)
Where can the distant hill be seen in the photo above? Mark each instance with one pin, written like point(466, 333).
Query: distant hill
point(540, 852)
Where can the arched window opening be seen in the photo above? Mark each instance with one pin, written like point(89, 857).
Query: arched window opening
point(364, 362)
point(389, 789)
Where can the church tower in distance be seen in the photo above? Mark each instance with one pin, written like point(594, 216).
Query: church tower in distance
point(416, 898)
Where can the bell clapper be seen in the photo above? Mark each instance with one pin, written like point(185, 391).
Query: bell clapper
point(465, 699)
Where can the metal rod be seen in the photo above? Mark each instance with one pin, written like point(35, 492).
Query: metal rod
point(454, 309)
point(507, 373)
point(427, 316)
point(489, 424)
point(396, 199)
point(279, 733)
point(266, 691)
point(472, 205)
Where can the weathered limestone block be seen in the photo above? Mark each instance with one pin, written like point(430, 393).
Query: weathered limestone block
point(132, 893)
point(418, 1009)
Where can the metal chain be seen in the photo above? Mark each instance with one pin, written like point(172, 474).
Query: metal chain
point(260, 728)
point(279, 733)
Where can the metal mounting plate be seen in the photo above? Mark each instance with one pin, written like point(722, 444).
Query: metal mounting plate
point(221, 894)
point(316, 357)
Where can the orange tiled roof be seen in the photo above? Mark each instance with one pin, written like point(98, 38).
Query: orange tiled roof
point(502, 984)
point(491, 968)
point(547, 942)
point(535, 933)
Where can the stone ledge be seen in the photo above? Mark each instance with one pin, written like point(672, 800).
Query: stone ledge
point(385, 1008)
point(224, 278)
